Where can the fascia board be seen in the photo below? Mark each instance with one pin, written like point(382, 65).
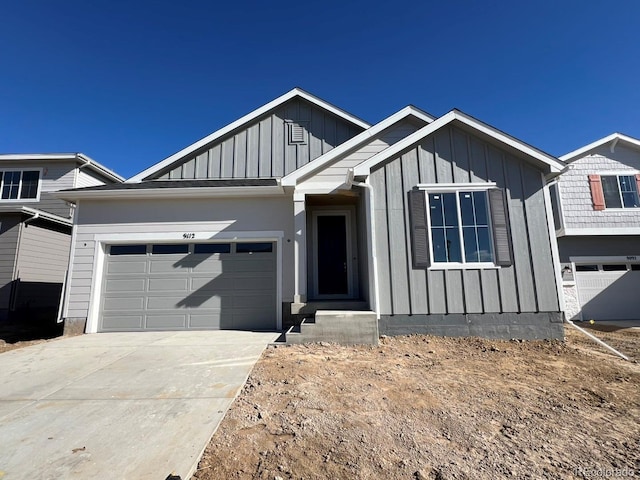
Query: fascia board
point(364, 168)
point(598, 143)
point(357, 141)
point(186, 192)
point(296, 92)
point(596, 232)
point(99, 168)
point(85, 159)
point(46, 215)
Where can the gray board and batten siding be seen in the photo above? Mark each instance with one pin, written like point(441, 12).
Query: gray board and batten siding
point(516, 301)
point(264, 148)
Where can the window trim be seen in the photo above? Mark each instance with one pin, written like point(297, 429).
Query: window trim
point(22, 171)
point(617, 174)
point(457, 188)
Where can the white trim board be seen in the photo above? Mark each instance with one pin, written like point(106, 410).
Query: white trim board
point(606, 259)
point(343, 149)
point(598, 231)
point(296, 92)
point(456, 116)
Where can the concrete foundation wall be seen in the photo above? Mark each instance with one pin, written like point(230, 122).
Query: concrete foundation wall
point(526, 326)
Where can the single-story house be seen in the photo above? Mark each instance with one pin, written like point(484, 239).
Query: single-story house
point(415, 224)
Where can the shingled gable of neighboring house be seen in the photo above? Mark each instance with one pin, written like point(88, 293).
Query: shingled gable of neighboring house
point(278, 216)
point(598, 219)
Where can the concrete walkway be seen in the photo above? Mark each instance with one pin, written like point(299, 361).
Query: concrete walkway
point(119, 405)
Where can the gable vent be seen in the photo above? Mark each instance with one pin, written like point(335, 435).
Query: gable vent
point(298, 132)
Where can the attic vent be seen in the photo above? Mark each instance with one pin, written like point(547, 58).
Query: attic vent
point(298, 132)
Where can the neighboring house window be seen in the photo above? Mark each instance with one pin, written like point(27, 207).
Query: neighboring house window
point(614, 191)
point(19, 185)
point(460, 226)
point(620, 191)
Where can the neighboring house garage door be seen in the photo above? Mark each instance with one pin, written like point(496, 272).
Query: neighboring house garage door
point(203, 286)
point(609, 291)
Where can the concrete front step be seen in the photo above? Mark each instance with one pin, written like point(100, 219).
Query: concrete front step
point(337, 326)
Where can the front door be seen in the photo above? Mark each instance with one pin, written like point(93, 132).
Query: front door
point(332, 255)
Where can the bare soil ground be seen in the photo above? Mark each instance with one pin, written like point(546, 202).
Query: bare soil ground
point(436, 408)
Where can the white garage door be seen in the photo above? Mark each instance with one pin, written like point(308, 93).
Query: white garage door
point(203, 286)
point(609, 291)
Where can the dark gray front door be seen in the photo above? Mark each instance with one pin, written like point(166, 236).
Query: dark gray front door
point(332, 255)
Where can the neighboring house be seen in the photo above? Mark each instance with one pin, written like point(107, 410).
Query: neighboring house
point(35, 228)
point(598, 222)
point(414, 224)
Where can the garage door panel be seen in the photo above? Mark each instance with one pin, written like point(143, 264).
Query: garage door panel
point(166, 264)
point(122, 322)
point(138, 266)
point(213, 264)
point(204, 321)
point(122, 285)
point(217, 284)
point(115, 304)
point(157, 291)
point(168, 321)
point(168, 284)
point(253, 283)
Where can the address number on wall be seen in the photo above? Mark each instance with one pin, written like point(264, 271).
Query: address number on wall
point(188, 235)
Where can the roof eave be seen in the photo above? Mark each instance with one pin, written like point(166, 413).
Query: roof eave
point(183, 192)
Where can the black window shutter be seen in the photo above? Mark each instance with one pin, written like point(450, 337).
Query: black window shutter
point(501, 228)
point(419, 232)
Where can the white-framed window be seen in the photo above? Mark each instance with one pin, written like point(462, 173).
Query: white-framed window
point(21, 185)
point(460, 227)
point(620, 191)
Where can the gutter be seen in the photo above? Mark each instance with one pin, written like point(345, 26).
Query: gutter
point(88, 162)
point(36, 215)
point(371, 239)
point(182, 192)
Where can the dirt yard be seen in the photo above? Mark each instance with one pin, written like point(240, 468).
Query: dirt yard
point(423, 407)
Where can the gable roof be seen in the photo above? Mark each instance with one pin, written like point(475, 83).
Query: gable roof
point(344, 148)
point(460, 118)
point(614, 138)
point(81, 158)
point(296, 92)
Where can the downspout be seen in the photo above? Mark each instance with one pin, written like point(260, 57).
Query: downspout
point(597, 340)
point(371, 238)
point(35, 217)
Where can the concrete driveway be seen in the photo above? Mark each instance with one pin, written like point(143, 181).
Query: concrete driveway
point(119, 405)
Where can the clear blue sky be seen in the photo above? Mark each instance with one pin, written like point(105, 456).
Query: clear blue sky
point(129, 83)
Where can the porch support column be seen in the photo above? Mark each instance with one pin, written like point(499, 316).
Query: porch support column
point(300, 247)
